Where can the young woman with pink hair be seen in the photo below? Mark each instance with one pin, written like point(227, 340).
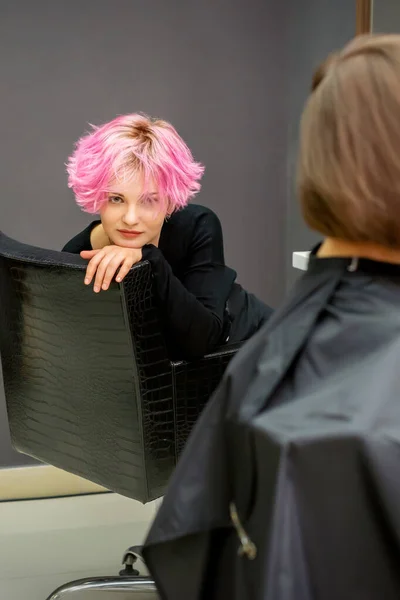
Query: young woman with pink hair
point(139, 175)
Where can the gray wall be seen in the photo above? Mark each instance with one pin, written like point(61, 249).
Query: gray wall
point(214, 68)
point(386, 16)
point(316, 28)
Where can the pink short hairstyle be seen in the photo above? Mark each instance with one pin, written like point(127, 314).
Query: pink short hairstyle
point(133, 145)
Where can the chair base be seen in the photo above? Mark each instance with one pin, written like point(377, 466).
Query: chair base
point(141, 588)
point(130, 558)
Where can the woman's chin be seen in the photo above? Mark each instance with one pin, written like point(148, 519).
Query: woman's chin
point(127, 243)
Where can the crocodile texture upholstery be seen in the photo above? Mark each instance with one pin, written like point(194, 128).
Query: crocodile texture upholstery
point(88, 384)
point(194, 384)
point(153, 378)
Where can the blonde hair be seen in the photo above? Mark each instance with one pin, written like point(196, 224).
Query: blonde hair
point(349, 158)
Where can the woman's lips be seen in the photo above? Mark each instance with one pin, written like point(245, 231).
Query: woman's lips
point(129, 234)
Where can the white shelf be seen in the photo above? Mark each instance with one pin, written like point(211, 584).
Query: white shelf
point(300, 260)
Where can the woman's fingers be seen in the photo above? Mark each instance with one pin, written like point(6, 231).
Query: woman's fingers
point(101, 270)
point(125, 268)
point(88, 254)
point(112, 268)
point(104, 263)
point(92, 267)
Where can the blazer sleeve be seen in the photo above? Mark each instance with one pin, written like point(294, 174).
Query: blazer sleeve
point(193, 306)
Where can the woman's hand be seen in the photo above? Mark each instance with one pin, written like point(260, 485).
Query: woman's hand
point(105, 262)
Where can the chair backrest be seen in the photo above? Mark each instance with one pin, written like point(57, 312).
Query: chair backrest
point(87, 379)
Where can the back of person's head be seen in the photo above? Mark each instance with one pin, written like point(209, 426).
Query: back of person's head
point(349, 158)
point(133, 145)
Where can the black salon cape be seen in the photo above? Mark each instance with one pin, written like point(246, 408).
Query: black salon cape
point(303, 436)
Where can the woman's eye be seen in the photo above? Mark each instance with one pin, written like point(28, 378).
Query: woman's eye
point(149, 200)
point(115, 199)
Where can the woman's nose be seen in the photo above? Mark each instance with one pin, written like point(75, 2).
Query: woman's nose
point(130, 216)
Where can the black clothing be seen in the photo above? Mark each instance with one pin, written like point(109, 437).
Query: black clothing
point(302, 439)
point(199, 301)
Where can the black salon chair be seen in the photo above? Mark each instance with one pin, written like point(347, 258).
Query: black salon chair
point(88, 383)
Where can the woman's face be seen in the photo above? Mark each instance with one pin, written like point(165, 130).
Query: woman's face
point(130, 218)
